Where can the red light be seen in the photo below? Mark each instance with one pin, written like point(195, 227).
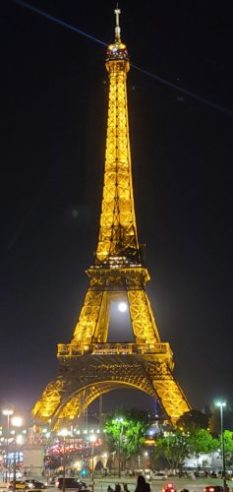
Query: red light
point(169, 485)
point(211, 489)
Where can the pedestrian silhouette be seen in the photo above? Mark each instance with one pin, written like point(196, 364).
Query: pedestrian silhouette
point(142, 485)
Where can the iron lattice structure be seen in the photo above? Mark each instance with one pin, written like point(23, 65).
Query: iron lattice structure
point(89, 366)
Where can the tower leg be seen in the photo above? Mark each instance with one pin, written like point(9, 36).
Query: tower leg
point(143, 320)
point(171, 397)
point(89, 328)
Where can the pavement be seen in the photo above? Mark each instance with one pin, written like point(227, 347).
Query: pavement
point(101, 484)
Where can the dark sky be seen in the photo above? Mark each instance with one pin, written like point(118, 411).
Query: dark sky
point(53, 100)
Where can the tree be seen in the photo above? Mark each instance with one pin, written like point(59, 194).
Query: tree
point(201, 441)
point(174, 447)
point(126, 431)
point(193, 419)
point(228, 446)
point(178, 444)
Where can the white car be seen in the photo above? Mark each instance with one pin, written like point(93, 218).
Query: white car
point(159, 476)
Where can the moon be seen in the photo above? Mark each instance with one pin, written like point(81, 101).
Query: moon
point(122, 307)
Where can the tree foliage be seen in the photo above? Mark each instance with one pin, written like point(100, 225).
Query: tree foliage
point(178, 444)
point(201, 441)
point(174, 447)
point(127, 430)
point(193, 419)
point(228, 446)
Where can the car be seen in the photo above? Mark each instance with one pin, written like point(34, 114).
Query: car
point(159, 476)
point(19, 485)
point(213, 488)
point(4, 486)
point(71, 483)
point(35, 484)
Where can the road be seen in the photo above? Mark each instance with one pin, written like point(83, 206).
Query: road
point(197, 485)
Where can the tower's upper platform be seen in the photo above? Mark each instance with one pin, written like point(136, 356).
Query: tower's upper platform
point(117, 51)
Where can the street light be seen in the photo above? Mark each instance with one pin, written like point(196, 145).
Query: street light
point(221, 405)
point(92, 439)
point(16, 421)
point(63, 433)
point(146, 455)
point(7, 412)
point(19, 440)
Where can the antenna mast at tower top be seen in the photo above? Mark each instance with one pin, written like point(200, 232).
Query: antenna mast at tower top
point(117, 12)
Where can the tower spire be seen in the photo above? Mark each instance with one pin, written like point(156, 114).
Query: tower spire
point(117, 12)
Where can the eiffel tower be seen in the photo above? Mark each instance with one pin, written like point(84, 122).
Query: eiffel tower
point(89, 365)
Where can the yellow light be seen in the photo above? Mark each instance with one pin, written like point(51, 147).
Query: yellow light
point(63, 432)
point(77, 465)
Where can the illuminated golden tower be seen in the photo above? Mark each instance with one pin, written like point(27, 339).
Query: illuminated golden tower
point(89, 366)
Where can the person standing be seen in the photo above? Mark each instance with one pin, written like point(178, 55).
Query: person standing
point(142, 485)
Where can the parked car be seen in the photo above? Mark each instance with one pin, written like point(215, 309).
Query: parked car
point(19, 485)
point(3, 486)
point(35, 484)
point(159, 476)
point(71, 483)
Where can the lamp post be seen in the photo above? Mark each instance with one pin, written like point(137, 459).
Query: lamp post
point(92, 440)
point(7, 412)
point(19, 440)
point(16, 421)
point(63, 433)
point(47, 436)
point(221, 405)
point(146, 456)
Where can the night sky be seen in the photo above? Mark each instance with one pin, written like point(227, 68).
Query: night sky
point(53, 101)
